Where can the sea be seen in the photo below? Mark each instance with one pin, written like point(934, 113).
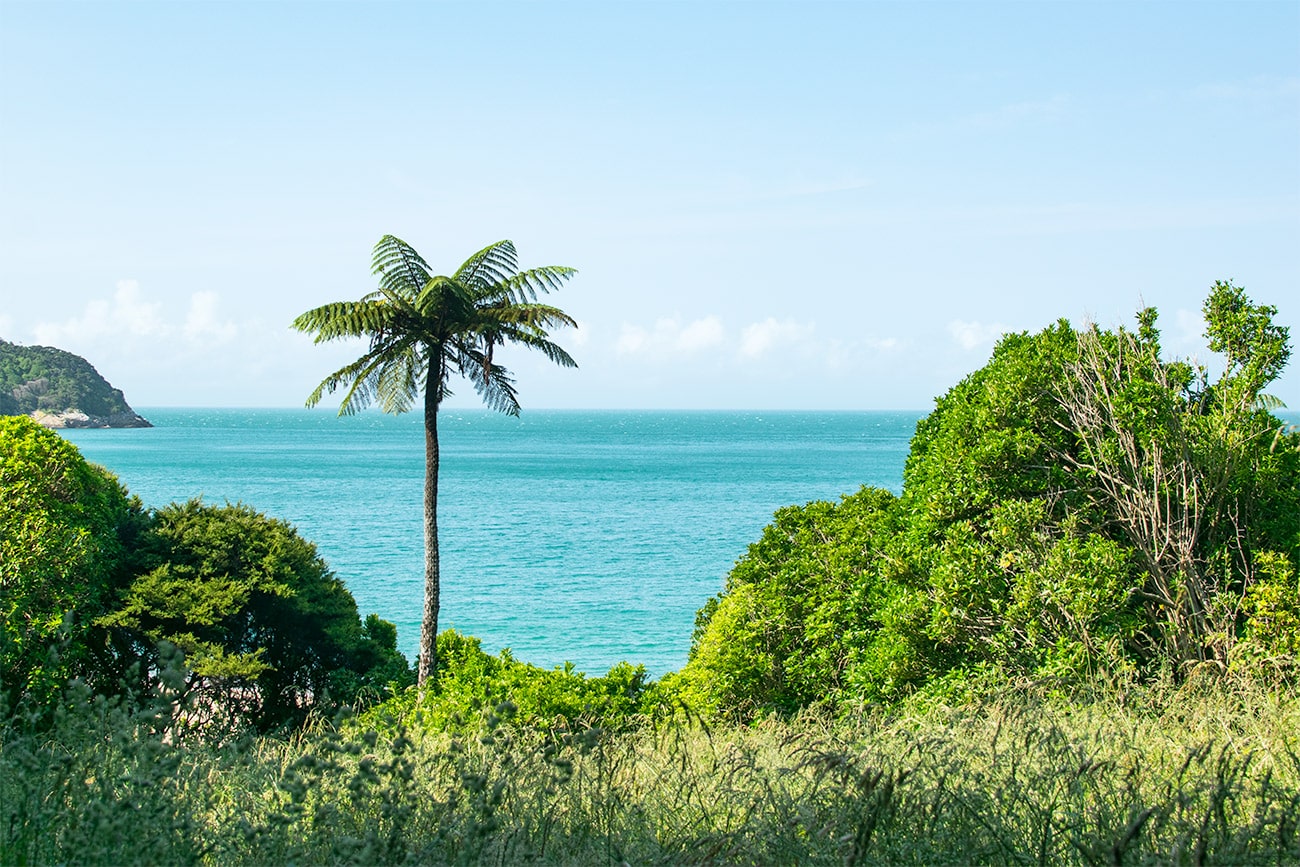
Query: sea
point(566, 536)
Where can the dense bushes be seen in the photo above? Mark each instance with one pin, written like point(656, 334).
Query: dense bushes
point(65, 527)
point(798, 610)
point(267, 629)
point(94, 586)
point(1077, 509)
point(473, 685)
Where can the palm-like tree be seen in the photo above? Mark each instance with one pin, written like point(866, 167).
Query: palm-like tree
point(424, 328)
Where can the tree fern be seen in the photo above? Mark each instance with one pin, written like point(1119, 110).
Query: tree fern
point(423, 329)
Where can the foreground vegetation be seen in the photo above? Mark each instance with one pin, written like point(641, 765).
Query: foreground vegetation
point(1073, 638)
point(1204, 772)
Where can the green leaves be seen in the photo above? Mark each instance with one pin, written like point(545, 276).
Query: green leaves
point(1245, 333)
point(343, 319)
point(795, 610)
point(255, 609)
point(401, 270)
point(488, 268)
point(1078, 508)
point(62, 527)
point(471, 683)
point(423, 328)
point(525, 287)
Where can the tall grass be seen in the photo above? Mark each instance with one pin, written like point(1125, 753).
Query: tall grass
point(1207, 772)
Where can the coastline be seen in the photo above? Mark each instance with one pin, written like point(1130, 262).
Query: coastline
point(74, 418)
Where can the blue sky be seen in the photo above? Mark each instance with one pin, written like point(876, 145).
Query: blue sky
point(770, 205)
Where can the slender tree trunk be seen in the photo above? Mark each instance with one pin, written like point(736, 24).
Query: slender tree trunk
point(432, 581)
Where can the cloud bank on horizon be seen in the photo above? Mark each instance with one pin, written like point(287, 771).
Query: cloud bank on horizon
point(805, 206)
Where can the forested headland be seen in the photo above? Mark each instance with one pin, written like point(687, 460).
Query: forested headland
point(1073, 637)
point(60, 389)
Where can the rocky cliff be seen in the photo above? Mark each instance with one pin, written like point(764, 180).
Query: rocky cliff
point(59, 389)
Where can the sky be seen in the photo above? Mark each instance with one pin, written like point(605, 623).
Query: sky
point(770, 205)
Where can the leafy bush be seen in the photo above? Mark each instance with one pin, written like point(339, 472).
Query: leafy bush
point(1076, 509)
point(797, 611)
point(268, 631)
point(473, 685)
point(91, 584)
point(65, 527)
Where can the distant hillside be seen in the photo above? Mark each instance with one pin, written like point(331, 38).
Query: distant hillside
point(59, 389)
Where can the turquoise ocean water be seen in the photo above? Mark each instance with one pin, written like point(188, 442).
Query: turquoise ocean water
point(589, 537)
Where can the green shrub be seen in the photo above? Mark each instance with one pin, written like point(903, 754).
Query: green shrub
point(796, 612)
point(1076, 509)
point(268, 631)
point(65, 527)
point(472, 685)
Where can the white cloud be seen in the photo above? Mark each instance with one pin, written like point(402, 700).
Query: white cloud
point(669, 336)
point(631, 340)
point(783, 345)
point(700, 334)
point(201, 324)
point(127, 313)
point(759, 338)
point(971, 335)
point(130, 314)
point(858, 354)
point(6, 323)
point(578, 336)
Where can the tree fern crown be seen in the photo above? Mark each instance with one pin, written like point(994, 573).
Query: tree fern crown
point(422, 328)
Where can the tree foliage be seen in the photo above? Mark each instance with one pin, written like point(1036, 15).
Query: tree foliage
point(93, 586)
point(1186, 471)
point(64, 529)
point(268, 631)
point(424, 328)
point(1078, 507)
point(796, 611)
